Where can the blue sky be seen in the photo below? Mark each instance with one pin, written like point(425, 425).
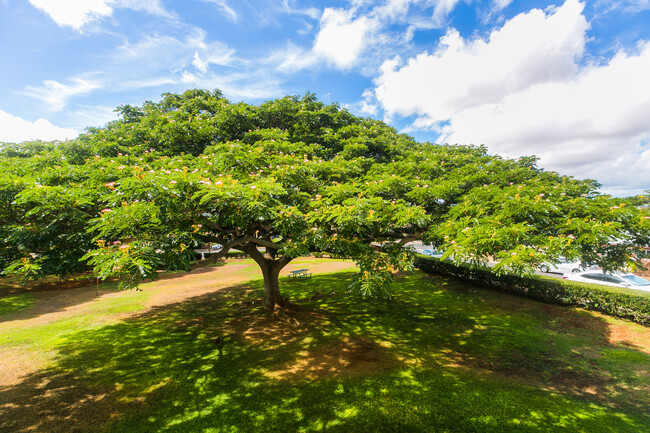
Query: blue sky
point(567, 81)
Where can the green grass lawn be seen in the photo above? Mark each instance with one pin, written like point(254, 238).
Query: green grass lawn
point(442, 357)
point(12, 303)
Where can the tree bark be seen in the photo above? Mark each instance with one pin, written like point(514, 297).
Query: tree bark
point(271, 268)
point(272, 296)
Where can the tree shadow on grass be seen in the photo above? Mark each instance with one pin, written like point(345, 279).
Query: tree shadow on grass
point(348, 366)
point(50, 301)
point(553, 347)
point(22, 303)
point(508, 338)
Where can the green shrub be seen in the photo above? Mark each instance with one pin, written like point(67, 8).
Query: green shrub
point(615, 301)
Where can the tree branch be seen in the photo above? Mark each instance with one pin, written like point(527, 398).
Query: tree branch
point(403, 241)
point(410, 238)
point(226, 246)
point(262, 242)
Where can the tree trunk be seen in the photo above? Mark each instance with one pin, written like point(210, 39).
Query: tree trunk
point(272, 296)
point(271, 268)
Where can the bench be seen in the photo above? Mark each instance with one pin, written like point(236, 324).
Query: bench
point(300, 273)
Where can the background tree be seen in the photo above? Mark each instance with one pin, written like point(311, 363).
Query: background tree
point(285, 179)
point(44, 211)
point(637, 200)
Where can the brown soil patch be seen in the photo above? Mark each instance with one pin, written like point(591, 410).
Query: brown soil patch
point(16, 363)
point(351, 356)
point(560, 379)
point(632, 335)
point(205, 280)
point(10, 286)
point(613, 331)
point(171, 288)
point(568, 320)
point(557, 374)
point(272, 329)
point(197, 282)
point(53, 305)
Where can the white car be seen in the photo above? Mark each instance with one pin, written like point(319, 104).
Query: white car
point(431, 253)
point(564, 266)
point(617, 279)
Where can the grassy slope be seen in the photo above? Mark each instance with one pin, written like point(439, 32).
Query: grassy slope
point(442, 357)
point(13, 303)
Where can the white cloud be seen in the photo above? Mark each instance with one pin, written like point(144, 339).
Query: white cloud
point(522, 91)
point(165, 62)
point(189, 78)
point(529, 49)
point(367, 105)
point(393, 9)
point(13, 129)
point(246, 85)
point(73, 13)
point(501, 4)
point(222, 5)
point(147, 82)
point(156, 53)
point(595, 121)
point(91, 115)
point(78, 13)
point(181, 62)
point(200, 64)
point(312, 12)
point(494, 11)
point(56, 95)
point(362, 35)
point(342, 38)
point(638, 5)
point(400, 10)
point(214, 53)
point(340, 42)
point(367, 108)
point(154, 7)
point(441, 11)
point(291, 58)
point(630, 6)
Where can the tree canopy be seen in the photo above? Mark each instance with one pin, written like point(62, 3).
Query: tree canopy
point(284, 179)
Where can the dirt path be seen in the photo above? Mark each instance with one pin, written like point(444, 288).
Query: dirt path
point(171, 288)
point(83, 304)
point(200, 282)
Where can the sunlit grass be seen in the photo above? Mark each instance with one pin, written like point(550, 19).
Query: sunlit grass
point(50, 334)
point(443, 357)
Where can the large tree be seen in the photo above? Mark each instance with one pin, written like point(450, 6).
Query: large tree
point(285, 179)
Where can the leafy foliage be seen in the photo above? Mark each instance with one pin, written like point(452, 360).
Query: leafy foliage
point(621, 302)
point(283, 179)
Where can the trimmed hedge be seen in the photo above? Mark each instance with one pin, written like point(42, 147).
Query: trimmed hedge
point(615, 301)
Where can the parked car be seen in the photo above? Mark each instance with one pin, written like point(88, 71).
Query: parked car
point(431, 253)
point(617, 279)
point(216, 247)
point(564, 266)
